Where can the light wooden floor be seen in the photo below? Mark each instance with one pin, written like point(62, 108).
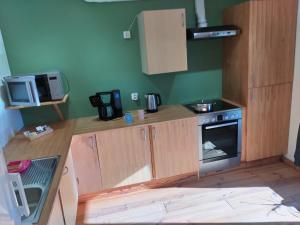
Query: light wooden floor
point(267, 194)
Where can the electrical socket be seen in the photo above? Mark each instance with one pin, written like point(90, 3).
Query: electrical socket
point(135, 96)
point(127, 34)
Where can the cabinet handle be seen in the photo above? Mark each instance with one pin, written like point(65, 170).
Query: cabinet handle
point(66, 170)
point(182, 19)
point(153, 132)
point(77, 179)
point(144, 134)
point(93, 142)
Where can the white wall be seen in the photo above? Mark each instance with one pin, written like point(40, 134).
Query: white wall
point(295, 113)
point(10, 120)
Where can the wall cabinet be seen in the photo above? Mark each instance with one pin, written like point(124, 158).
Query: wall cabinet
point(163, 44)
point(86, 163)
point(258, 70)
point(124, 156)
point(175, 147)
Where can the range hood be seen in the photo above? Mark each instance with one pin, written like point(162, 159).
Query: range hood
point(205, 32)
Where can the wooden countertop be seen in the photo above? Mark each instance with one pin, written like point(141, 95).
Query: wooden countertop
point(165, 113)
point(58, 142)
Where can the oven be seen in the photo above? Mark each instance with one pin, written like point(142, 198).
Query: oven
point(220, 136)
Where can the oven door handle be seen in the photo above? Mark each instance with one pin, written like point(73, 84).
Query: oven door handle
point(221, 125)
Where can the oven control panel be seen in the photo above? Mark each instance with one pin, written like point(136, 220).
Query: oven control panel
point(216, 117)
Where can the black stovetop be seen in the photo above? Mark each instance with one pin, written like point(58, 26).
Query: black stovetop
point(218, 105)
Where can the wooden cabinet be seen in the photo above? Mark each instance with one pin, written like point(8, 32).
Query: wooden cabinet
point(163, 45)
point(258, 70)
point(268, 121)
point(124, 156)
point(69, 192)
point(135, 154)
point(272, 41)
point(86, 163)
point(64, 210)
point(56, 217)
point(175, 147)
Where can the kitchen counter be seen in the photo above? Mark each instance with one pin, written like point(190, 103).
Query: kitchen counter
point(165, 113)
point(58, 142)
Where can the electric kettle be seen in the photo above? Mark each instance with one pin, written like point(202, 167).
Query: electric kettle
point(152, 102)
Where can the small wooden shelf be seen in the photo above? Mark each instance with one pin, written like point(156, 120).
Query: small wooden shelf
point(53, 103)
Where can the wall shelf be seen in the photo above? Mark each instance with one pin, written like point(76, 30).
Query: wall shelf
point(54, 104)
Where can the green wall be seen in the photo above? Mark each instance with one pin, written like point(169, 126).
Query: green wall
point(84, 40)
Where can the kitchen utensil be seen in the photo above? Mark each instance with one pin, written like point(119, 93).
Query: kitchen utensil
point(153, 100)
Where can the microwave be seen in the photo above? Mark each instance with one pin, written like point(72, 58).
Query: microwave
point(33, 89)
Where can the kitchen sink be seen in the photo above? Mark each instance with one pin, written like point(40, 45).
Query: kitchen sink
point(37, 181)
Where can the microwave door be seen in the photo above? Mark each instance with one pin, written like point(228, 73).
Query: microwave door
point(34, 93)
point(22, 91)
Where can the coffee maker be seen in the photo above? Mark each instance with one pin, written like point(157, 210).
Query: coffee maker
point(108, 103)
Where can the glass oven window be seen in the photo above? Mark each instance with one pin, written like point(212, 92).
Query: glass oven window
point(18, 92)
point(220, 141)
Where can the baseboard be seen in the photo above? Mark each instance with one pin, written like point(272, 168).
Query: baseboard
point(289, 163)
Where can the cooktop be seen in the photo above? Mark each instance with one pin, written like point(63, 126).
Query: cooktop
point(217, 105)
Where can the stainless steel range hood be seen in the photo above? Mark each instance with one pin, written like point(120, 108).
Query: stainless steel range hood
point(205, 32)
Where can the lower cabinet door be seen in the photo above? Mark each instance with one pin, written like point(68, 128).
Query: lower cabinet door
point(175, 147)
point(268, 116)
point(57, 217)
point(68, 192)
point(124, 156)
point(86, 163)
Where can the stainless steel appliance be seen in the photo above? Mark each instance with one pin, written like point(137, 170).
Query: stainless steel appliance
point(220, 136)
point(204, 32)
point(31, 90)
point(152, 102)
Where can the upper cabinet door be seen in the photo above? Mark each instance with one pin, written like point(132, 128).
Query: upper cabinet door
point(86, 163)
point(272, 42)
point(163, 41)
point(124, 156)
point(175, 147)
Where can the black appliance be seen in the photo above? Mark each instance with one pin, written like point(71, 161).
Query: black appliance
point(108, 103)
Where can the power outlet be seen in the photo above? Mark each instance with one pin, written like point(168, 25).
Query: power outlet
point(134, 96)
point(127, 34)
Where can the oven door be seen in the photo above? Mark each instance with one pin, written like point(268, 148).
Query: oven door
point(220, 141)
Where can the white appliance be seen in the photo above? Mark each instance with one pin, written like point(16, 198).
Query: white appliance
point(10, 184)
point(31, 90)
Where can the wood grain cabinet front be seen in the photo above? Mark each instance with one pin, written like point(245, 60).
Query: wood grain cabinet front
point(124, 156)
point(56, 216)
point(258, 70)
point(86, 163)
point(69, 192)
point(163, 42)
point(175, 147)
